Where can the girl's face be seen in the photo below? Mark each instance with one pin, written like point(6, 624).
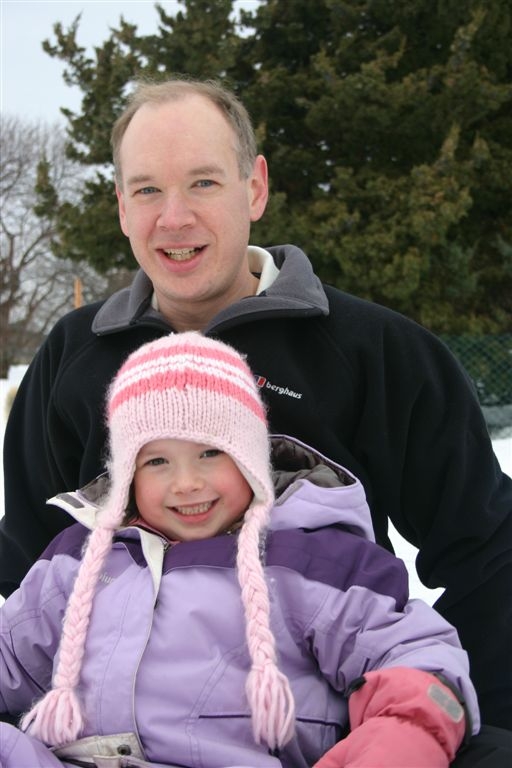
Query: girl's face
point(188, 491)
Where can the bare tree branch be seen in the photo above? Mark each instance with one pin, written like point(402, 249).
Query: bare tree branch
point(35, 287)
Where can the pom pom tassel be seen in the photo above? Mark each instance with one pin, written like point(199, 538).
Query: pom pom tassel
point(56, 719)
point(272, 705)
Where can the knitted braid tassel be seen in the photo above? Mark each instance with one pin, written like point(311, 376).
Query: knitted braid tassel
point(268, 689)
point(57, 718)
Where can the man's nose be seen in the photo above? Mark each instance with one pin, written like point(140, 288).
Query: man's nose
point(176, 212)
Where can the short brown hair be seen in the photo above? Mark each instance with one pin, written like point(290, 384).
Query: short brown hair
point(156, 92)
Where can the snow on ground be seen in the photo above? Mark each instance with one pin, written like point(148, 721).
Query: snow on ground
point(502, 447)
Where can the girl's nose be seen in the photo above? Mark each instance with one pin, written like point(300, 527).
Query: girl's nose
point(185, 480)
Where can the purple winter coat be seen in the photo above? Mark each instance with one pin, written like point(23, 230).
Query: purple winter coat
point(166, 659)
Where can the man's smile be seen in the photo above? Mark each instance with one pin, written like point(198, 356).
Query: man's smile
point(181, 254)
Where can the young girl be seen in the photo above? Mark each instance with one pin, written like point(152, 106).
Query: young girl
point(219, 616)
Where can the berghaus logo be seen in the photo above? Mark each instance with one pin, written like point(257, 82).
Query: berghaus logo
point(264, 383)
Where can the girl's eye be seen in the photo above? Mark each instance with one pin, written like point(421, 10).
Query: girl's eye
point(155, 462)
point(210, 453)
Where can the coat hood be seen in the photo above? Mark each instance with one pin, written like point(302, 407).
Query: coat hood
point(324, 493)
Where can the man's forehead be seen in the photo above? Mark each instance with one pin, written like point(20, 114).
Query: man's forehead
point(201, 146)
point(185, 106)
point(180, 120)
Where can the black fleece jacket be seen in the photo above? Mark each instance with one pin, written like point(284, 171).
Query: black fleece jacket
point(362, 384)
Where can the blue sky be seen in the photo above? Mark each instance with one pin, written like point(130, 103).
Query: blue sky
point(31, 84)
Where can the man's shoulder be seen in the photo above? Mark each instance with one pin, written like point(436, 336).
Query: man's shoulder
point(353, 315)
point(110, 314)
point(349, 303)
point(70, 333)
point(297, 275)
point(77, 320)
point(124, 310)
point(74, 348)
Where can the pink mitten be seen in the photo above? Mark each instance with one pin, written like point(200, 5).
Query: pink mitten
point(399, 718)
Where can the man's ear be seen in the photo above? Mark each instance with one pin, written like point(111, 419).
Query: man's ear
point(121, 210)
point(258, 188)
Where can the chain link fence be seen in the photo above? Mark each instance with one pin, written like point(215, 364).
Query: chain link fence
point(488, 361)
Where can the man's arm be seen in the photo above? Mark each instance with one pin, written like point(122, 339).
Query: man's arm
point(456, 507)
point(30, 474)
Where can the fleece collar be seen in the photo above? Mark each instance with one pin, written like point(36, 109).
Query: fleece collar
point(295, 292)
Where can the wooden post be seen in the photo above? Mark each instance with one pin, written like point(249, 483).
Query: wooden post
point(78, 293)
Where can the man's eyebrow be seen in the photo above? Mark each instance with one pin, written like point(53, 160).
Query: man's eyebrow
point(140, 178)
point(200, 170)
point(207, 170)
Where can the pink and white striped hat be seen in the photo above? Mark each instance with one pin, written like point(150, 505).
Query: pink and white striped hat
point(187, 386)
point(190, 387)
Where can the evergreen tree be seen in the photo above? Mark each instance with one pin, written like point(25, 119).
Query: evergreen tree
point(388, 131)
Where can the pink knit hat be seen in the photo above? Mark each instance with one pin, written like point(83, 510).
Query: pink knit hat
point(190, 387)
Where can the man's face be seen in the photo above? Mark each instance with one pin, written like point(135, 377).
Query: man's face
point(185, 208)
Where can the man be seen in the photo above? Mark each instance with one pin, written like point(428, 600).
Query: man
point(365, 386)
